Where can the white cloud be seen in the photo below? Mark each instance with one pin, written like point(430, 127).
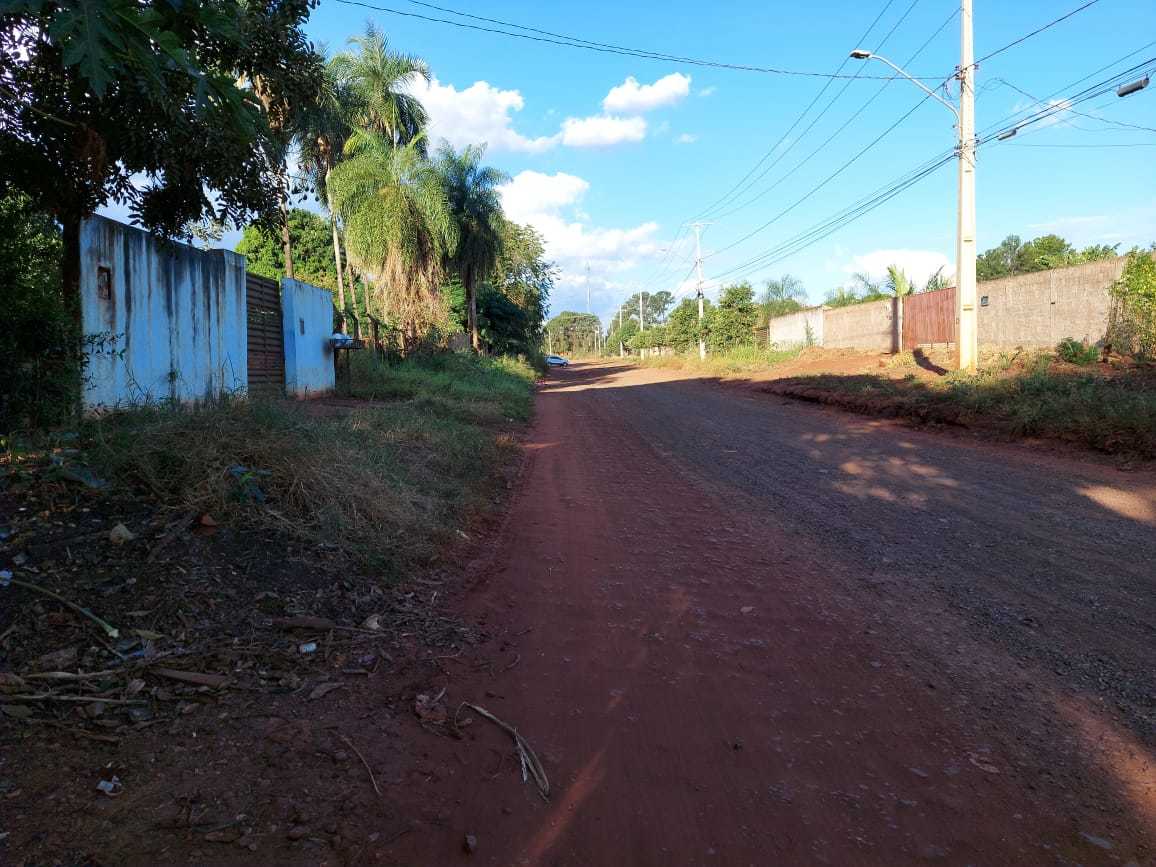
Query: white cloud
point(1060, 112)
point(917, 264)
point(707, 91)
point(630, 96)
point(551, 204)
point(481, 113)
point(686, 138)
point(601, 131)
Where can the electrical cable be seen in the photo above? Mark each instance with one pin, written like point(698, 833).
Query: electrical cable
point(608, 48)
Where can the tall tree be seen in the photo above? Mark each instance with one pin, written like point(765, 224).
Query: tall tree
point(378, 80)
point(322, 132)
point(309, 236)
point(471, 191)
point(733, 322)
point(155, 105)
point(782, 295)
point(398, 223)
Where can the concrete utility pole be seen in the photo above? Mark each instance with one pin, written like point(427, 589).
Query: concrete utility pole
point(966, 309)
point(966, 313)
point(698, 227)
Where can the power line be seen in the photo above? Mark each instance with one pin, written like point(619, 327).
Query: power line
point(1037, 101)
point(605, 48)
point(1035, 32)
point(848, 215)
point(833, 135)
point(826, 180)
point(1145, 144)
point(796, 122)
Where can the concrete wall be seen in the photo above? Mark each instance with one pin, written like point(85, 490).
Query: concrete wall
point(791, 330)
point(164, 321)
point(307, 317)
point(1041, 309)
point(870, 327)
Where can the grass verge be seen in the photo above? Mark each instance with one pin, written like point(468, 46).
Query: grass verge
point(387, 481)
point(745, 359)
point(1113, 413)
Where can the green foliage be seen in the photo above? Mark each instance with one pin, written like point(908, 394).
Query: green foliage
point(1012, 256)
point(40, 366)
point(732, 323)
point(897, 283)
point(1111, 414)
point(936, 282)
point(682, 329)
point(1132, 323)
point(782, 295)
point(524, 276)
point(655, 306)
point(100, 93)
point(571, 333)
point(1076, 352)
point(841, 296)
point(471, 193)
point(312, 243)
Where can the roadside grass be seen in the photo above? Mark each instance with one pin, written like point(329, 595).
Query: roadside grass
point(743, 359)
point(1113, 413)
point(386, 483)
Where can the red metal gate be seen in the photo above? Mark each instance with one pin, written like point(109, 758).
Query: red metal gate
point(266, 338)
point(929, 318)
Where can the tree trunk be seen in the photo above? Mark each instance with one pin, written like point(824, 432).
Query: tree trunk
point(472, 310)
point(337, 262)
point(286, 242)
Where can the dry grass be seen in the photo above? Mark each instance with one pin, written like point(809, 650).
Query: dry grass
point(746, 359)
point(1021, 395)
point(387, 482)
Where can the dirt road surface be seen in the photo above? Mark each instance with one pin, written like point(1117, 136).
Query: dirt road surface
point(743, 631)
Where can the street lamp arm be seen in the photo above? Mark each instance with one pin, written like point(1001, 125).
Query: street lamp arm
point(859, 54)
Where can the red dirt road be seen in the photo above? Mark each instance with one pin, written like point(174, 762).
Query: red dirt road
point(743, 631)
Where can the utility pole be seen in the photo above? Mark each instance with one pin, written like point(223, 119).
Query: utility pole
point(967, 313)
point(698, 227)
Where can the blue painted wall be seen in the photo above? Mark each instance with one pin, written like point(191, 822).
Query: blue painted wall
point(307, 317)
point(165, 321)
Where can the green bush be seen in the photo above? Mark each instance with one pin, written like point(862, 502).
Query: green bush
point(40, 359)
point(1074, 352)
point(1132, 323)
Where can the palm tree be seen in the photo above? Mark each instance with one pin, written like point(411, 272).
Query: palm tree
point(398, 224)
point(783, 295)
point(323, 130)
point(897, 283)
point(378, 80)
point(471, 190)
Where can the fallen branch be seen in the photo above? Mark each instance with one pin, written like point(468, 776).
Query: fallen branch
point(526, 754)
point(111, 631)
point(213, 680)
point(372, 779)
point(47, 696)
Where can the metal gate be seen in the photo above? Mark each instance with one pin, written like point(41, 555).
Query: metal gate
point(929, 317)
point(266, 338)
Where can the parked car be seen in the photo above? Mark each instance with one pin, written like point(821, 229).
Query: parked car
point(556, 361)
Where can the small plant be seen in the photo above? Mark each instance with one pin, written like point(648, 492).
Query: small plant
point(1074, 352)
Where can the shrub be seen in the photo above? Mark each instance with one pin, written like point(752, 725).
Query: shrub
point(1074, 352)
point(1132, 322)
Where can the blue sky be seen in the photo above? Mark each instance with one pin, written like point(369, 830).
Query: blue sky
point(610, 155)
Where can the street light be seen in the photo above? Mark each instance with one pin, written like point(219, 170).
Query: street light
point(967, 332)
point(1132, 87)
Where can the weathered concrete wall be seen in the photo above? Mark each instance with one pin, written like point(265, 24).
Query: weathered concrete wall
point(307, 317)
point(165, 321)
point(1041, 309)
point(870, 327)
point(791, 330)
